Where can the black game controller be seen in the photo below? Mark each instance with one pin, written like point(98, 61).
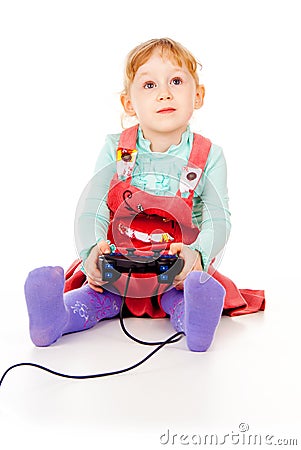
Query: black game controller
point(165, 266)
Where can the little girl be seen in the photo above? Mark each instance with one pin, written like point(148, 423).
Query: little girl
point(157, 187)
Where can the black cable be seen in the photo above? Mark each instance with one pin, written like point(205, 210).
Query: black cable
point(97, 375)
point(174, 338)
point(122, 321)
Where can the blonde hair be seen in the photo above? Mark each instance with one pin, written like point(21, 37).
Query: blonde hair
point(168, 48)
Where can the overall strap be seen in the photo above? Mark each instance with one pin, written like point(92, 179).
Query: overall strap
point(192, 172)
point(128, 138)
point(127, 152)
point(200, 150)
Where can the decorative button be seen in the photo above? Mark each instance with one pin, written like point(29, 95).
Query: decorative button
point(126, 156)
point(191, 176)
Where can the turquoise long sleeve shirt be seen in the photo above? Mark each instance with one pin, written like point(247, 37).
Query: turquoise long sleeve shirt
point(159, 174)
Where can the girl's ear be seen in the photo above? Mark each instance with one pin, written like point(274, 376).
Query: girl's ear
point(127, 105)
point(199, 96)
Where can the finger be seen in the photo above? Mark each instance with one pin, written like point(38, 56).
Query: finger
point(94, 286)
point(94, 275)
point(104, 247)
point(175, 248)
point(95, 278)
point(179, 279)
point(179, 286)
point(182, 275)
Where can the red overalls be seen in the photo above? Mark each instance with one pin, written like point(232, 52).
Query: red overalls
point(148, 222)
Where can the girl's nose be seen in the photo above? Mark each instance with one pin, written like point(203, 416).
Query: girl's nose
point(164, 94)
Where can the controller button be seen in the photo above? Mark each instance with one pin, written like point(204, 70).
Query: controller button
point(108, 275)
point(163, 278)
point(131, 251)
point(157, 253)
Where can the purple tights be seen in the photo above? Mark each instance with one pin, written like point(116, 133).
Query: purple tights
point(196, 310)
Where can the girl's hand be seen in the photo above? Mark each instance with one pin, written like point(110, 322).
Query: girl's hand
point(192, 261)
point(93, 272)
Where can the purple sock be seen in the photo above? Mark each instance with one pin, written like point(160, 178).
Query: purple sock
point(52, 313)
point(44, 297)
point(203, 303)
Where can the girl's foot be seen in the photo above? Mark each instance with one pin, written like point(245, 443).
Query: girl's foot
point(203, 302)
point(44, 297)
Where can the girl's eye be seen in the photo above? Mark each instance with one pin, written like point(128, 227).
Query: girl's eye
point(176, 81)
point(149, 85)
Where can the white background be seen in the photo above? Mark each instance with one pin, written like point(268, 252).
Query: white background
point(60, 78)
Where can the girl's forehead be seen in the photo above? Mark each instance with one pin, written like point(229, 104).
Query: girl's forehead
point(158, 61)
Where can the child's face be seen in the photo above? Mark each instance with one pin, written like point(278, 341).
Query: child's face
point(163, 96)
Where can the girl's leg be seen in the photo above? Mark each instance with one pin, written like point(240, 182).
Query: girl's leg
point(172, 303)
point(196, 310)
point(53, 313)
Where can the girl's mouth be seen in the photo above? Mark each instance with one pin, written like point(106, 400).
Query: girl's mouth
point(166, 110)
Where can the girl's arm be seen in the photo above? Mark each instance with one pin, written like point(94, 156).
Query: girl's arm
point(92, 214)
point(211, 215)
point(211, 208)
